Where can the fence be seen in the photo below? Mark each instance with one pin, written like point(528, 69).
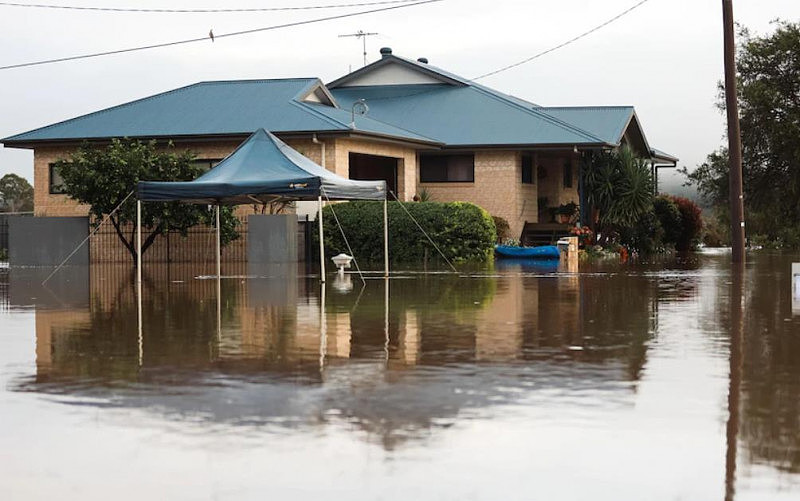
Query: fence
point(4, 231)
point(3, 235)
point(198, 246)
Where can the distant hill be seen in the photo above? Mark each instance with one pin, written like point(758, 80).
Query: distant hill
point(671, 182)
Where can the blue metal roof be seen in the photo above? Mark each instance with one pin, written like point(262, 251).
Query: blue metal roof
point(455, 113)
point(463, 115)
point(606, 122)
point(216, 108)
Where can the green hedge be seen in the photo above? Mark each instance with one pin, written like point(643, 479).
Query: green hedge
point(462, 231)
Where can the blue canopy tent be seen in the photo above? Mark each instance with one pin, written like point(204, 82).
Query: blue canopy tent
point(262, 169)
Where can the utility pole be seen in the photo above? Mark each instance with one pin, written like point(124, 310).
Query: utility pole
point(363, 36)
point(734, 137)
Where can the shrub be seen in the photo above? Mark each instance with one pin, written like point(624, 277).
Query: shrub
point(716, 230)
point(669, 216)
point(645, 237)
point(462, 231)
point(691, 224)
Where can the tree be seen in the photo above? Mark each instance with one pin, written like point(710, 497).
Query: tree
point(16, 194)
point(104, 177)
point(769, 103)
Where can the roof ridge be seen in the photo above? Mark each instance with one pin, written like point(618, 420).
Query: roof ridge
point(585, 107)
point(252, 80)
point(308, 109)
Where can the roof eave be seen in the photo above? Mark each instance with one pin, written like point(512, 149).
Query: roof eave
point(529, 146)
point(193, 138)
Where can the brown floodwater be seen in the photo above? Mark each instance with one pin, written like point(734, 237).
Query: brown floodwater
point(671, 380)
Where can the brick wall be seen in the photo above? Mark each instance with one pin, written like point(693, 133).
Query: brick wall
point(406, 165)
point(497, 188)
point(552, 184)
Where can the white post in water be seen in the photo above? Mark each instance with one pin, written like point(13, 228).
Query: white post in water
point(385, 238)
point(321, 243)
point(323, 328)
point(796, 288)
point(139, 242)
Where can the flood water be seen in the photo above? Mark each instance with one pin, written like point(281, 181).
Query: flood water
point(675, 380)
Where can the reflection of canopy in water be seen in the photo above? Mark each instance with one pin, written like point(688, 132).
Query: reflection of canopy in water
point(261, 168)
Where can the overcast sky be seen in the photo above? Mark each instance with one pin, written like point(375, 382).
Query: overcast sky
point(665, 57)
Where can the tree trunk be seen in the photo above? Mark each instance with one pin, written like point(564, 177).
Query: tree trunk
point(128, 243)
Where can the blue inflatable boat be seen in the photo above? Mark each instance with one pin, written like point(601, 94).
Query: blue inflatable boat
point(542, 252)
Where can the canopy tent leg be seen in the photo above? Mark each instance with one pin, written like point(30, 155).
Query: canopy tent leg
point(321, 243)
point(385, 238)
point(219, 279)
point(139, 279)
point(139, 242)
point(219, 248)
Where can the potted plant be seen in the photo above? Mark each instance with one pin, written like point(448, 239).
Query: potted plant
point(565, 212)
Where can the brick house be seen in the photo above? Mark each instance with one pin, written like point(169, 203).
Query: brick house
point(405, 121)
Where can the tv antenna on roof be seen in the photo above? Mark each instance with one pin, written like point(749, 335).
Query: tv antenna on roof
point(363, 36)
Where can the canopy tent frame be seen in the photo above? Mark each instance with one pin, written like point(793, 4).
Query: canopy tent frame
point(262, 166)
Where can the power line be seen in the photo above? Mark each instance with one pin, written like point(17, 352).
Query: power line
point(224, 35)
point(201, 11)
point(572, 40)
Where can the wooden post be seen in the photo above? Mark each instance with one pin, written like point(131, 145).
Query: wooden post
point(734, 137)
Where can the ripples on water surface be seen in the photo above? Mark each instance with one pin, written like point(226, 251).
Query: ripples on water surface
point(518, 382)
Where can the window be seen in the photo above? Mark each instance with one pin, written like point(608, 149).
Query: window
point(567, 174)
point(56, 182)
point(527, 170)
point(447, 168)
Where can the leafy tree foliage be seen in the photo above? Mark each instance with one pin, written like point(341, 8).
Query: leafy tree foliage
point(103, 177)
point(769, 103)
point(16, 194)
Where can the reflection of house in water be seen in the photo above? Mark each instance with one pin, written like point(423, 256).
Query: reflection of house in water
point(454, 344)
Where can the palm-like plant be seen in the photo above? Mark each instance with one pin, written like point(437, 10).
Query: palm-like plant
point(620, 186)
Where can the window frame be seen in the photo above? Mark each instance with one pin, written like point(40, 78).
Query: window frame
point(531, 169)
point(52, 188)
point(447, 167)
point(568, 178)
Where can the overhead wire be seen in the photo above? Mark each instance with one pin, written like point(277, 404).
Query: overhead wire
point(564, 44)
point(216, 36)
point(200, 11)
